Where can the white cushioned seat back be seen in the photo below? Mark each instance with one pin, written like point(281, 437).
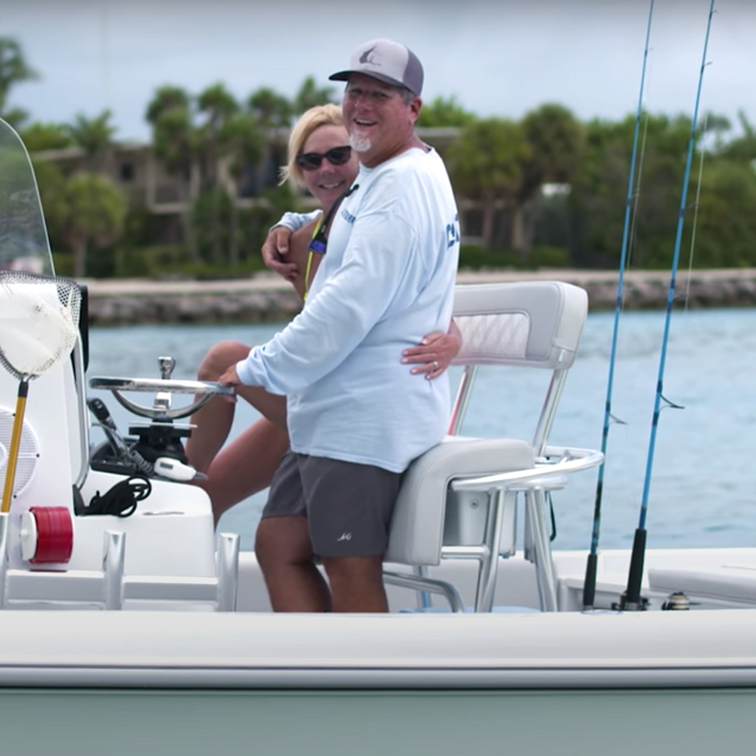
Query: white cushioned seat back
point(417, 525)
point(523, 324)
point(527, 324)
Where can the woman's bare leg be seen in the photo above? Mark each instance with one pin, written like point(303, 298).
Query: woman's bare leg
point(245, 466)
point(213, 421)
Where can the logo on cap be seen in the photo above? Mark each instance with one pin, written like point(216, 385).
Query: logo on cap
point(365, 57)
point(398, 65)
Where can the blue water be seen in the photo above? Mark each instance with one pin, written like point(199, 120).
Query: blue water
point(703, 487)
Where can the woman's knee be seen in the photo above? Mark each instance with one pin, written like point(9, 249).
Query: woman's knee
point(219, 358)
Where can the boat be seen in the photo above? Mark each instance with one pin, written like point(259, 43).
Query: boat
point(127, 624)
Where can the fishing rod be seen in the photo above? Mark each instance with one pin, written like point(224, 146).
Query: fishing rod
point(697, 205)
point(632, 598)
point(589, 585)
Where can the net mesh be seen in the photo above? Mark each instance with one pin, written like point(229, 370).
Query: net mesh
point(39, 319)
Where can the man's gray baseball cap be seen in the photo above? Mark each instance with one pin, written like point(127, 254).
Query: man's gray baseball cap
point(387, 61)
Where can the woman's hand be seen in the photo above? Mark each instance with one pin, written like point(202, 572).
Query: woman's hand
point(434, 353)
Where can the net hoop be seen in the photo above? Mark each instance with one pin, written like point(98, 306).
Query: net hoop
point(39, 322)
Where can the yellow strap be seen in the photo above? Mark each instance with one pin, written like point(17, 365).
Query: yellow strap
point(310, 255)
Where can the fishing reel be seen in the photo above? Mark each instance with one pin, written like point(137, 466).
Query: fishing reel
point(154, 448)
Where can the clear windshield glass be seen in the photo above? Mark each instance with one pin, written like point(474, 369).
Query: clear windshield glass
point(23, 234)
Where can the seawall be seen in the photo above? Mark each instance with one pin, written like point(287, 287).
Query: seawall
point(267, 298)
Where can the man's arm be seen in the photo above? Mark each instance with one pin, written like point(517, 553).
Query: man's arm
point(348, 305)
point(277, 251)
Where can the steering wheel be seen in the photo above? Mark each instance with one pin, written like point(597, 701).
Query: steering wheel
point(164, 388)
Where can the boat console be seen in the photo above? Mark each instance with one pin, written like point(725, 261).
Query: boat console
point(155, 448)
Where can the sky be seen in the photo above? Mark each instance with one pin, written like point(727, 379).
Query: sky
point(496, 57)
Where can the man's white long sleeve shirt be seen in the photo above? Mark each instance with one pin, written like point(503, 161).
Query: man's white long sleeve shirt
point(386, 280)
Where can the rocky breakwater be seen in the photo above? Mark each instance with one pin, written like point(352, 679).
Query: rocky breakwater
point(264, 298)
point(267, 298)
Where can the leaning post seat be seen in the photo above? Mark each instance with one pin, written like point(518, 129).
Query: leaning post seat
point(457, 501)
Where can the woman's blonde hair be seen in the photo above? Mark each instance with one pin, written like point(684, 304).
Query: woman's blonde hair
point(314, 118)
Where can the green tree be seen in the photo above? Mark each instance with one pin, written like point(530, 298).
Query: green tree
point(13, 70)
point(271, 109)
point(216, 105)
point(244, 144)
point(443, 112)
point(95, 137)
point(211, 219)
point(310, 95)
point(261, 216)
point(176, 143)
point(716, 125)
point(556, 141)
point(274, 114)
point(726, 223)
point(741, 149)
point(39, 137)
point(52, 195)
point(485, 163)
point(599, 189)
point(95, 215)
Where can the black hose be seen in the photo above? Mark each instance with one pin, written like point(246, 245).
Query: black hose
point(121, 500)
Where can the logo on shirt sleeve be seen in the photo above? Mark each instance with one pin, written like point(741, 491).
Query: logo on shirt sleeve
point(452, 232)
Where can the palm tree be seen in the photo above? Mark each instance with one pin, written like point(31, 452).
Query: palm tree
point(244, 144)
point(176, 143)
point(310, 95)
point(218, 106)
point(274, 114)
point(13, 70)
point(271, 109)
point(95, 136)
point(96, 212)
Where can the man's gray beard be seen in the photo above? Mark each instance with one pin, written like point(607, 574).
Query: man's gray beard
point(359, 141)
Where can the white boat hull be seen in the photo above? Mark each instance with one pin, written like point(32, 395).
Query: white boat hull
point(567, 683)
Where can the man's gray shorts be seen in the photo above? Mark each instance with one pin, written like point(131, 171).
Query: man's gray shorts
point(348, 506)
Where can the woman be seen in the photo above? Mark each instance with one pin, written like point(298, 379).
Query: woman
point(321, 160)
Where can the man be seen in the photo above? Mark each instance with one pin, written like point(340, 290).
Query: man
point(356, 416)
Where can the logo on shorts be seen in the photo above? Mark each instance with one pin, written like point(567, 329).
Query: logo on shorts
point(344, 537)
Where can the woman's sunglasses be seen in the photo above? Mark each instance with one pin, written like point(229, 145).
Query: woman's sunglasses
point(310, 161)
